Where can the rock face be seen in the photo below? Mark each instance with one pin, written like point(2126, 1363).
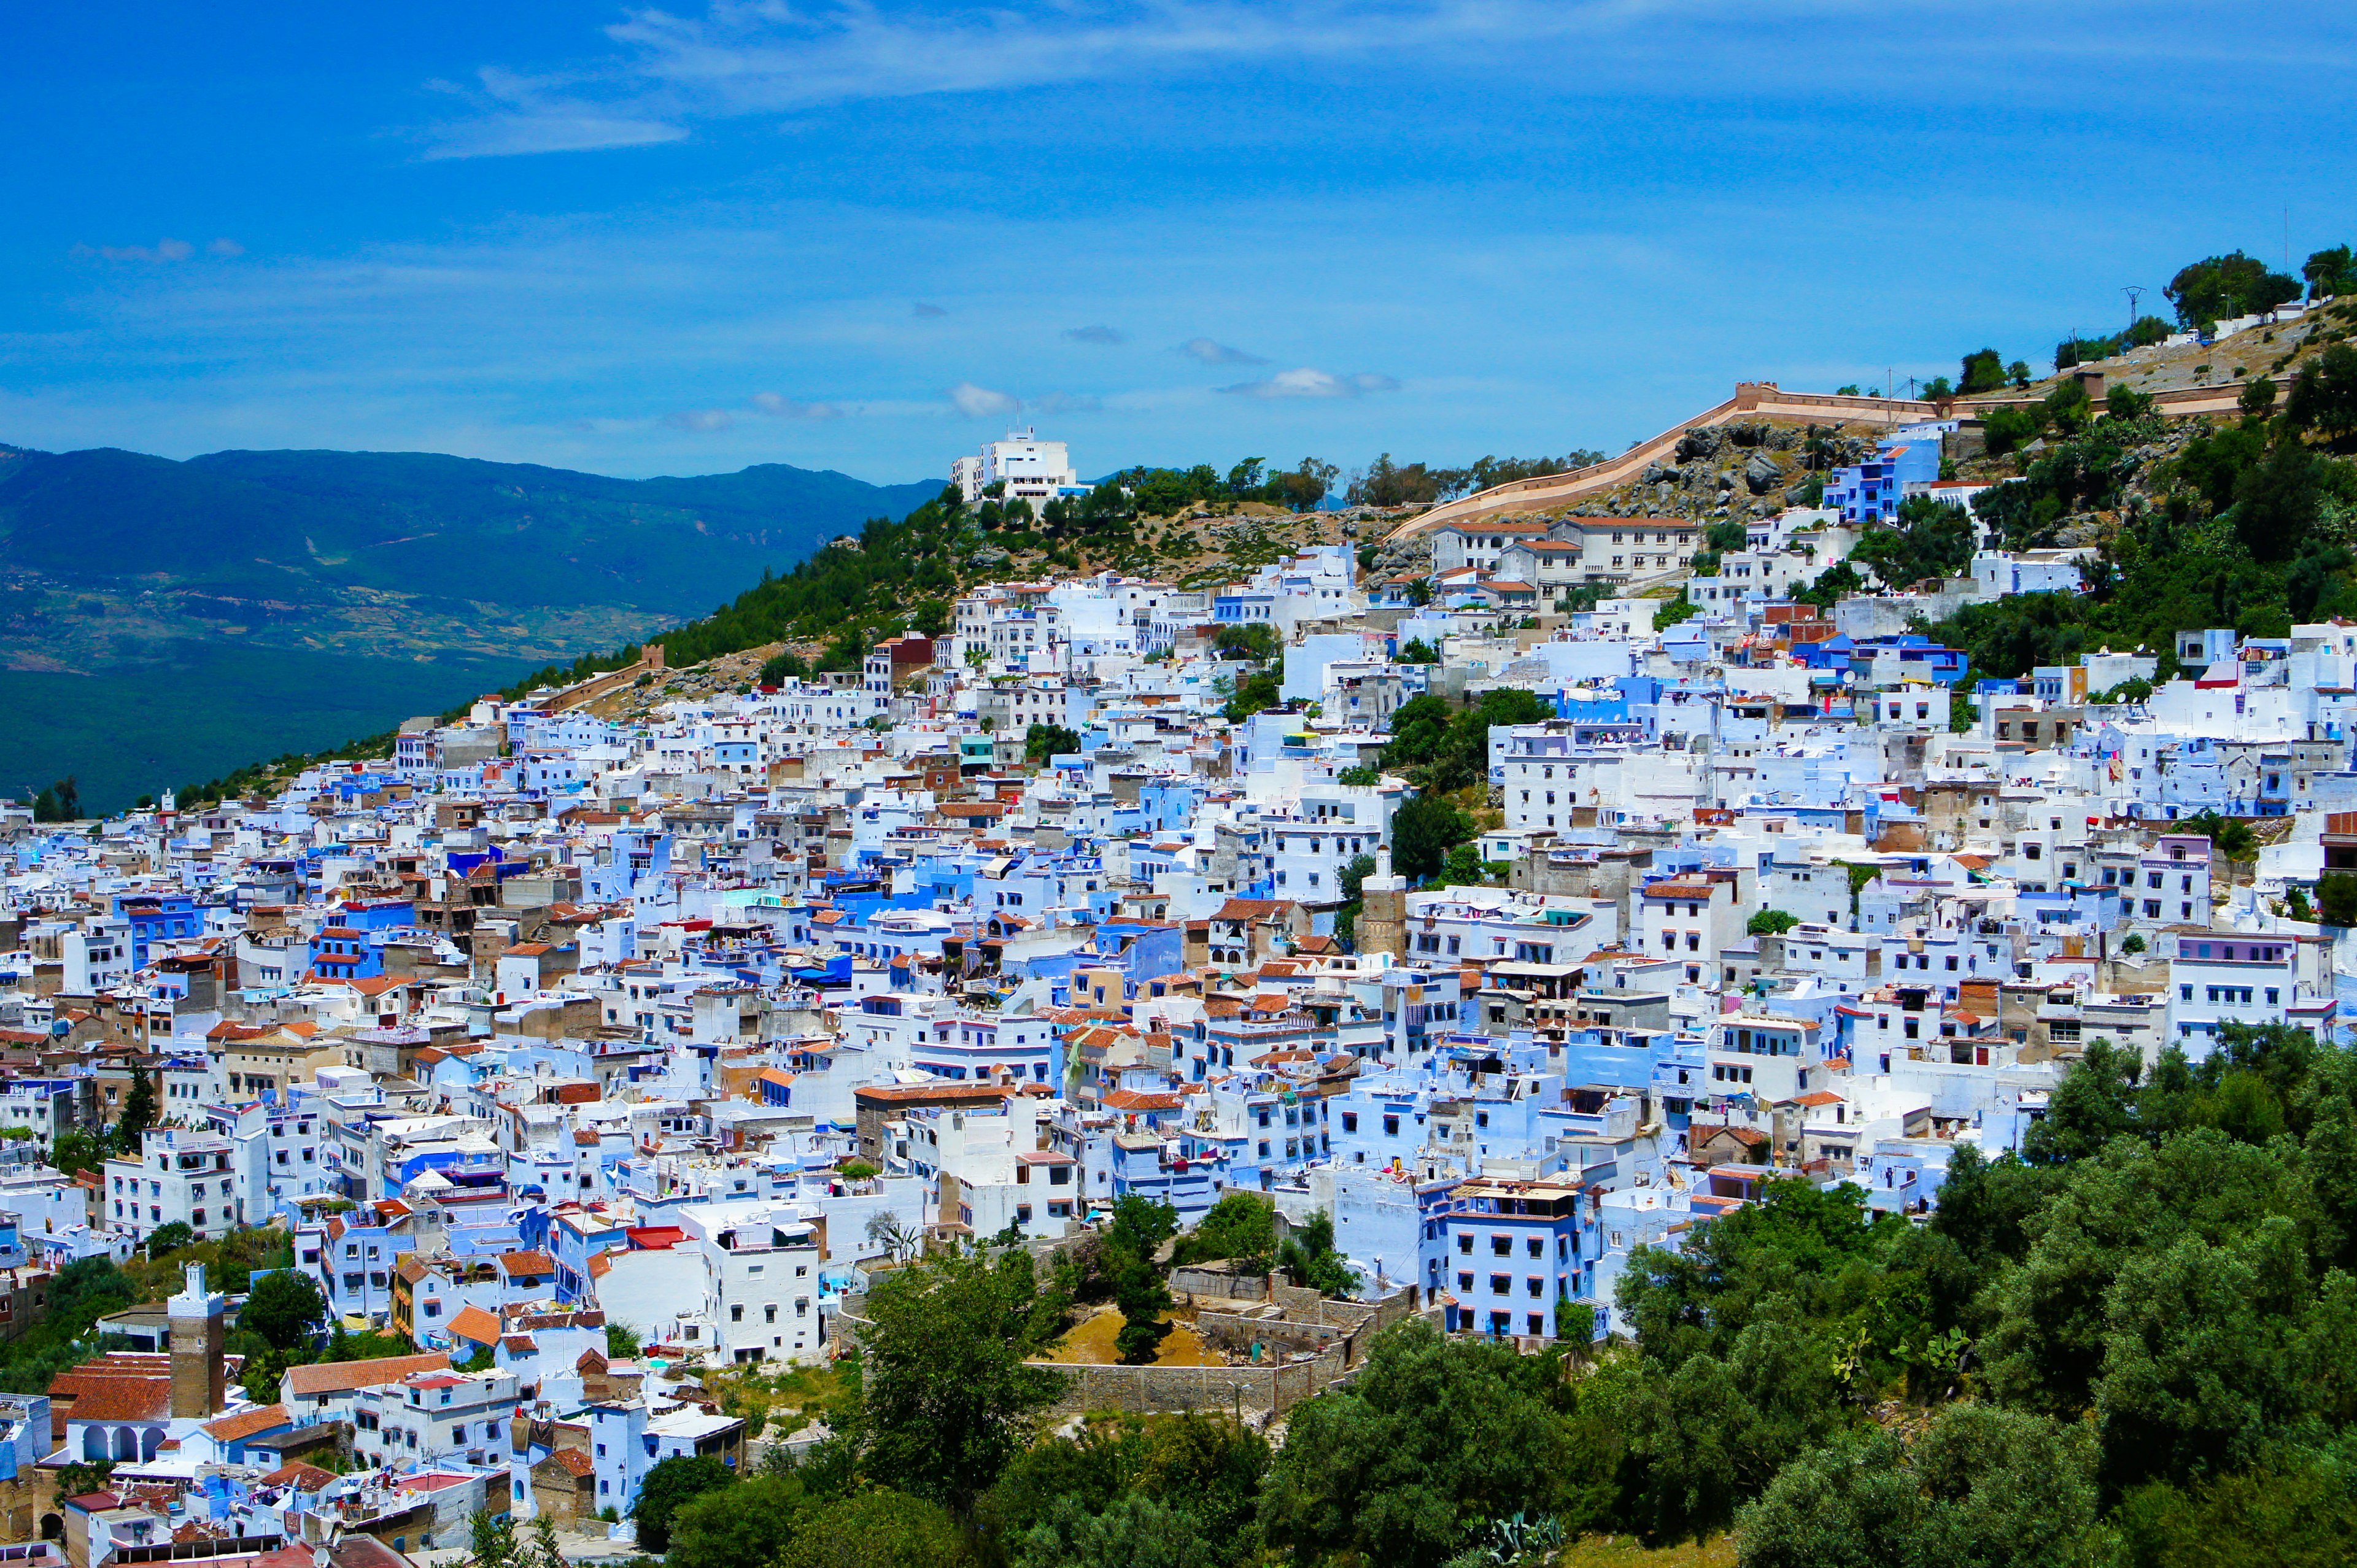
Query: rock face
point(1703, 443)
point(1761, 475)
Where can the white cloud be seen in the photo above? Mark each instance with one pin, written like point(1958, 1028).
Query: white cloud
point(1094, 335)
point(775, 57)
point(515, 113)
point(163, 249)
point(975, 402)
point(778, 407)
point(700, 420)
point(1308, 382)
point(226, 247)
point(1212, 353)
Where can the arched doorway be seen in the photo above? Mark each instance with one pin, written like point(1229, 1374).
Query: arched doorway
point(53, 1527)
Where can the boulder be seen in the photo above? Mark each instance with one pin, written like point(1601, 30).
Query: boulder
point(1762, 474)
point(1701, 442)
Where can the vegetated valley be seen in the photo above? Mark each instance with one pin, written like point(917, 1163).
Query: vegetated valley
point(163, 621)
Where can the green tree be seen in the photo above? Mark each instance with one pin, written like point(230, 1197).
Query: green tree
point(2295, 1511)
point(881, 1529)
point(1133, 1531)
point(285, 1307)
point(1256, 692)
point(2004, 429)
point(491, 1543)
point(138, 1111)
point(781, 668)
point(1980, 1488)
point(2330, 273)
point(942, 1396)
point(1423, 830)
point(2323, 396)
point(2278, 502)
point(1308, 1259)
point(2258, 398)
point(1241, 1227)
point(1140, 1287)
point(1256, 641)
point(748, 1525)
point(1415, 650)
point(1419, 730)
point(1771, 923)
point(670, 1484)
point(1432, 1436)
point(1930, 539)
point(169, 1237)
point(1042, 742)
point(1983, 371)
point(2336, 899)
point(2218, 287)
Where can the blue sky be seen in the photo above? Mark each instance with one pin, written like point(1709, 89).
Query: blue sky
point(868, 237)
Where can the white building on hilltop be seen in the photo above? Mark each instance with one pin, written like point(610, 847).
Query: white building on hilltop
point(1035, 469)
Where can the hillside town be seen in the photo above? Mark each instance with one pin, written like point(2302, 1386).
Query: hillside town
point(587, 1060)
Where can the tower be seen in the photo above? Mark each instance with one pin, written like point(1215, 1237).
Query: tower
point(1383, 922)
point(199, 1329)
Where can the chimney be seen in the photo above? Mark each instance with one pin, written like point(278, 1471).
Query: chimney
point(200, 1322)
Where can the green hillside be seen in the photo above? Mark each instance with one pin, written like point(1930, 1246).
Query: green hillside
point(163, 620)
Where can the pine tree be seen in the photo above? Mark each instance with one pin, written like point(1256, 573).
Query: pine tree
point(138, 1112)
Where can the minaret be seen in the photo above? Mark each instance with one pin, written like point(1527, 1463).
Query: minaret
point(199, 1329)
point(1383, 922)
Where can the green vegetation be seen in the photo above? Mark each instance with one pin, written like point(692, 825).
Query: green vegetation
point(1424, 830)
point(1308, 1259)
point(1042, 742)
point(1351, 880)
point(940, 1399)
point(1771, 923)
point(1389, 484)
point(1676, 611)
point(668, 1485)
point(2218, 287)
point(2252, 529)
point(1930, 539)
point(1241, 1228)
point(1443, 748)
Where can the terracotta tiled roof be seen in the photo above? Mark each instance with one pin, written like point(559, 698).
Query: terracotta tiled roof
point(343, 1377)
point(246, 1423)
point(475, 1326)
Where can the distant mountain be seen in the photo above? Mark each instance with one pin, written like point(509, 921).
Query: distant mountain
point(162, 621)
point(295, 525)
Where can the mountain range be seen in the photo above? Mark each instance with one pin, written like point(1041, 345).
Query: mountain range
point(163, 620)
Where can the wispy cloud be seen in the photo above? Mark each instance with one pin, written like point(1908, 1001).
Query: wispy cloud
point(512, 113)
point(1308, 382)
point(976, 402)
point(165, 249)
point(703, 421)
point(1212, 353)
point(1095, 335)
point(775, 57)
point(778, 407)
point(1057, 402)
